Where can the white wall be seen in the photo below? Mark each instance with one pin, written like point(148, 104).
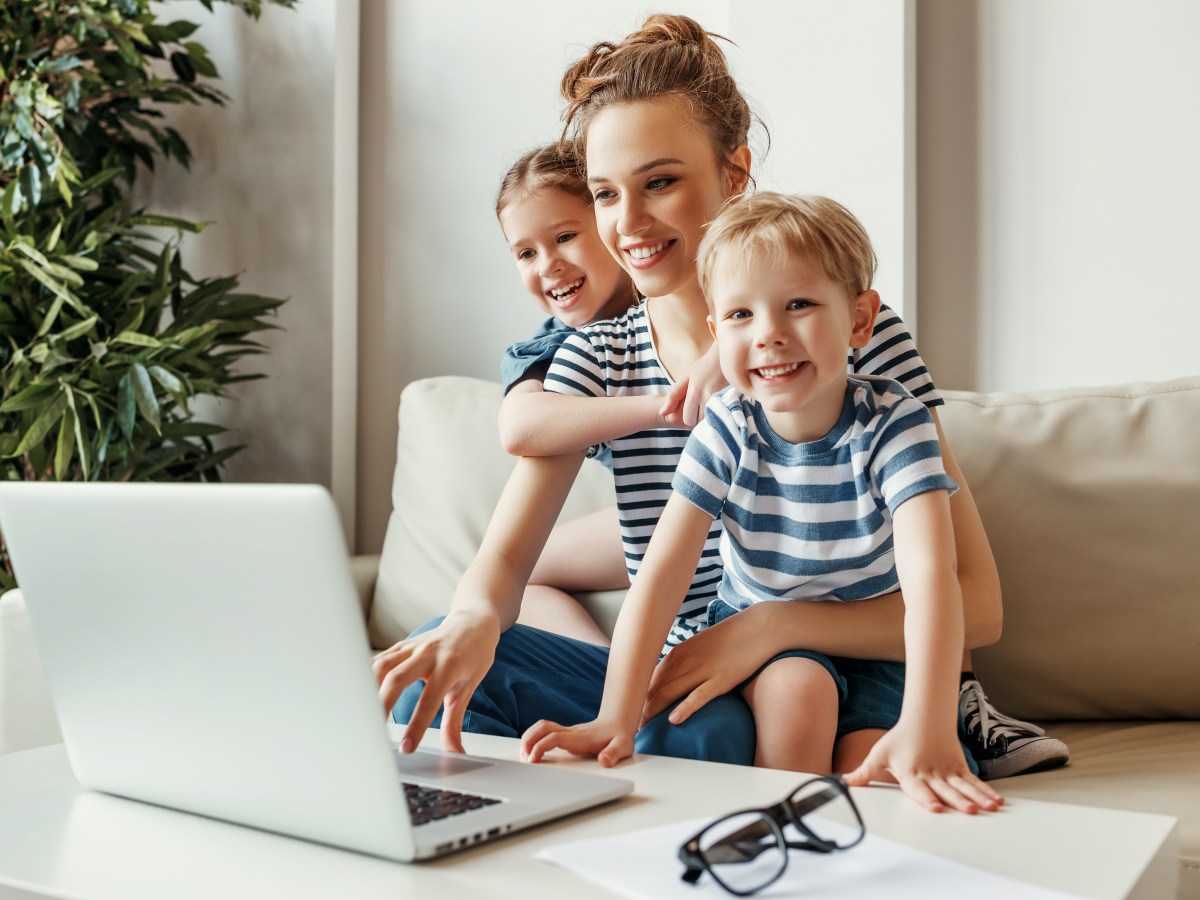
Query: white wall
point(275, 170)
point(450, 101)
point(1059, 190)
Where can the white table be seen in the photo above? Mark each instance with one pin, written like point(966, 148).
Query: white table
point(59, 840)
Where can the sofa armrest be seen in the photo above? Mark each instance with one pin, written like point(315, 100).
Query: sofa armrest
point(27, 717)
point(365, 571)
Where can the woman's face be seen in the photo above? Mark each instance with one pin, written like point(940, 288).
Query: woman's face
point(560, 259)
point(656, 184)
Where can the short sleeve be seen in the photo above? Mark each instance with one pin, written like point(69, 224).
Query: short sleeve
point(539, 350)
point(577, 368)
point(907, 457)
point(710, 457)
point(892, 353)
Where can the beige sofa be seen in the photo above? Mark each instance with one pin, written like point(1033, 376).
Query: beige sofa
point(1091, 499)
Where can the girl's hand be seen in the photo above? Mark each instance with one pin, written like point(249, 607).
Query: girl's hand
point(451, 659)
point(684, 404)
point(710, 663)
point(933, 772)
point(600, 739)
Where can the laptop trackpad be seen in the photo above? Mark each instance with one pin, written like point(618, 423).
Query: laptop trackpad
point(422, 764)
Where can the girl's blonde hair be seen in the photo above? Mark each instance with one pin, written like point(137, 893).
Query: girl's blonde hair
point(556, 165)
point(814, 229)
point(669, 55)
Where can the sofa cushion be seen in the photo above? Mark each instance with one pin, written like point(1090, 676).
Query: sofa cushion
point(1091, 501)
point(450, 470)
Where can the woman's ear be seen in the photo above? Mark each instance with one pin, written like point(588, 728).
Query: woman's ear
point(737, 171)
point(866, 308)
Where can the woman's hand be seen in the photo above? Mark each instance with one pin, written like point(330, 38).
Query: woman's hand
point(684, 403)
point(607, 742)
point(451, 659)
point(933, 772)
point(710, 663)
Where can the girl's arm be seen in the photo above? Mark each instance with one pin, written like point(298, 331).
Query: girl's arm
point(538, 423)
point(646, 616)
point(922, 751)
point(718, 659)
point(535, 424)
point(453, 657)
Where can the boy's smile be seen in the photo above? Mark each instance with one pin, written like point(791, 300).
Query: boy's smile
point(783, 329)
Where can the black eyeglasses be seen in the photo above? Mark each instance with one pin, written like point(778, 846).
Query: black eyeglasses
point(746, 851)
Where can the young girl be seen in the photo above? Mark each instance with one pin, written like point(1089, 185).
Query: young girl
point(545, 211)
point(664, 132)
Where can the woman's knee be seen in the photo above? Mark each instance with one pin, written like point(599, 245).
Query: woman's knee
point(720, 731)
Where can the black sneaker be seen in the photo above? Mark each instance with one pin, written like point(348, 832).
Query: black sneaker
point(1003, 746)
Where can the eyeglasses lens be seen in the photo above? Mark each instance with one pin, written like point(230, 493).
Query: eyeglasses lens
point(743, 851)
point(828, 813)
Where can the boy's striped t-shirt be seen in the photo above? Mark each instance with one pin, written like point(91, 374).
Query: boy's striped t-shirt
point(616, 358)
point(811, 521)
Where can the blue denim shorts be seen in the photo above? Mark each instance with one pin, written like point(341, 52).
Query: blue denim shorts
point(870, 691)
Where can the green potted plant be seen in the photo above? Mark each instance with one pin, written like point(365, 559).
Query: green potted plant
point(106, 339)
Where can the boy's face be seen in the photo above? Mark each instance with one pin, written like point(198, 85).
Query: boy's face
point(783, 330)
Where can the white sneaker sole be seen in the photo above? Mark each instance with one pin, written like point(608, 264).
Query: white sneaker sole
point(1036, 754)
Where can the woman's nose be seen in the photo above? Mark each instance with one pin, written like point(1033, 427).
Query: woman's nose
point(632, 218)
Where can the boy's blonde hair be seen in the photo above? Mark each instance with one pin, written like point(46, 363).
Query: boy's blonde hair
point(813, 229)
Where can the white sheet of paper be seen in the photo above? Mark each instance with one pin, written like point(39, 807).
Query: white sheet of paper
point(644, 865)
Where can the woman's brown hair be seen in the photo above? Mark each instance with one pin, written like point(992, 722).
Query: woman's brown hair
point(668, 55)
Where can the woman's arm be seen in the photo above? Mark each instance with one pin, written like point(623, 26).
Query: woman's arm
point(538, 423)
point(645, 619)
point(865, 629)
point(453, 657)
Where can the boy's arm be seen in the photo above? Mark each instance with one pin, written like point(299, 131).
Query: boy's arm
point(453, 657)
point(538, 423)
point(922, 751)
point(646, 616)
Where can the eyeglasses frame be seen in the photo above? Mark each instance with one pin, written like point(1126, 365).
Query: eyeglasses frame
point(777, 816)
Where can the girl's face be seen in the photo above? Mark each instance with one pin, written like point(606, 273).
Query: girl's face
point(656, 185)
point(560, 258)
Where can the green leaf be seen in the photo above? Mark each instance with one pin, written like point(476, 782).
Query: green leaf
point(126, 409)
point(143, 390)
point(82, 263)
point(138, 339)
point(41, 425)
point(28, 397)
point(52, 241)
point(54, 287)
point(79, 329)
point(167, 379)
point(66, 445)
point(78, 429)
point(167, 222)
point(51, 316)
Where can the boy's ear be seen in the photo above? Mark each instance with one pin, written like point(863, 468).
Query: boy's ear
point(712, 327)
point(866, 308)
point(738, 172)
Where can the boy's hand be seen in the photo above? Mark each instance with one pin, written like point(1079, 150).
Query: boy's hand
point(600, 739)
point(451, 659)
point(932, 772)
point(684, 403)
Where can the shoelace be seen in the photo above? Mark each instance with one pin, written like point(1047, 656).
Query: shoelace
point(992, 724)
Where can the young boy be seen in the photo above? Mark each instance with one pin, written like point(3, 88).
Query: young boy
point(831, 489)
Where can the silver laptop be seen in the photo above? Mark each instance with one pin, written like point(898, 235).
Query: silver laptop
point(205, 650)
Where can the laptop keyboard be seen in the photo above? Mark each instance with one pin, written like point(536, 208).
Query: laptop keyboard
point(430, 804)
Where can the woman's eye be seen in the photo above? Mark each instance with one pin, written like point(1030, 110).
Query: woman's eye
point(603, 195)
point(525, 254)
point(566, 236)
point(657, 184)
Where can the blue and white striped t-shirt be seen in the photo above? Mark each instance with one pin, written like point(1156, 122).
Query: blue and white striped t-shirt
point(811, 521)
point(617, 357)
